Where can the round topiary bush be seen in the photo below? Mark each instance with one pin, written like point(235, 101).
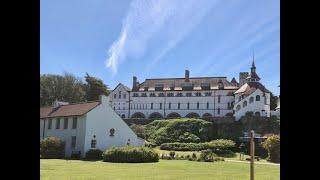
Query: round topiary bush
point(272, 145)
point(94, 154)
point(130, 154)
point(51, 148)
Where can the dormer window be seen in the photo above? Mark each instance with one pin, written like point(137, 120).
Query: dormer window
point(187, 86)
point(158, 87)
point(205, 86)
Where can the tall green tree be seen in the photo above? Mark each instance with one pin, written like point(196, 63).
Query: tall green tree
point(65, 87)
point(273, 101)
point(94, 88)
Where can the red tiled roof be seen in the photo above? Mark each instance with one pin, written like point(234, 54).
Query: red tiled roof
point(251, 87)
point(178, 82)
point(68, 110)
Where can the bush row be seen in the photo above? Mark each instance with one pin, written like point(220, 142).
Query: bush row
point(130, 154)
point(219, 144)
point(205, 156)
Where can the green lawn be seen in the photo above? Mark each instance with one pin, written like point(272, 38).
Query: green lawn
point(165, 169)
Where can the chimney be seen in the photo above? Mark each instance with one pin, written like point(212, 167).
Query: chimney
point(242, 78)
point(134, 83)
point(186, 75)
point(57, 103)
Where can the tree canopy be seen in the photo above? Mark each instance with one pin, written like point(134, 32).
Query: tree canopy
point(70, 89)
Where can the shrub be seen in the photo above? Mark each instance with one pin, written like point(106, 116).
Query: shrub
point(130, 154)
point(178, 130)
point(222, 147)
point(52, 148)
point(172, 154)
point(94, 154)
point(207, 156)
point(184, 146)
point(194, 156)
point(139, 130)
point(272, 145)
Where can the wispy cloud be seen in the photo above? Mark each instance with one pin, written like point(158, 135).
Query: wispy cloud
point(171, 20)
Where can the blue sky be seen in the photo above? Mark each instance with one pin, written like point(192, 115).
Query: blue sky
point(115, 40)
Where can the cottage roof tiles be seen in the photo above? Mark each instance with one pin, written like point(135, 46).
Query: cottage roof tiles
point(68, 110)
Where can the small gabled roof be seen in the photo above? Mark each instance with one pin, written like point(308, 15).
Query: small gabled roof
point(68, 110)
point(253, 75)
point(250, 87)
point(124, 86)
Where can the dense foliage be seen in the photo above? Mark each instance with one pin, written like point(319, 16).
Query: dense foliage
point(272, 145)
point(70, 89)
point(94, 88)
point(52, 148)
point(139, 130)
point(178, 130)
point(130, 154)
point(219, 146)
point(94, 154)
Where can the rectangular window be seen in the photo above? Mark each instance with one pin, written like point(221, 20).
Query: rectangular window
point(124, 96)
point(207, 105)
point(119, 94)
point(49, 123)
point(73, 142)
point(135, 95)
point(151, 105)
point(218, 110)
point(219, 98)
point(160, 105)
point(65, 126)
point(198, 105)
point(169, 105)
point(178, 105)
point(58, 123)
point(115, 96)
point(74, 123)
point(188, 105)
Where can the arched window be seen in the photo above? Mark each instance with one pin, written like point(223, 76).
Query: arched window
point(257, 113)
point(115, 96)
point(244, 104)
point(123, 116)
point(238, 107)
point(257, 98)
point(111, 131)
point(251, 100)
point(218, 110)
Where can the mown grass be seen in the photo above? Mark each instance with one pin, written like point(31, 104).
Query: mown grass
point(51, 169)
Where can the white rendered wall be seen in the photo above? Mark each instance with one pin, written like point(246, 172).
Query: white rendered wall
point(262, 106)
point(66, 134)
point(99, 122)
point(145, 103)
point(120, 105)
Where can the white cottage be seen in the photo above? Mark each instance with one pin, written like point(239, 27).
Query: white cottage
point(80, 125)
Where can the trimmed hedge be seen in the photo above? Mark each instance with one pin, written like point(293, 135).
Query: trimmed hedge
point(94, 154)
point(215, 145)
point(52, 148)
point(178, 130)
point(184, 146)
point(130, 154)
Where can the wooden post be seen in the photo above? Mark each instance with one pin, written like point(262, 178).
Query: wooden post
point(252, 155)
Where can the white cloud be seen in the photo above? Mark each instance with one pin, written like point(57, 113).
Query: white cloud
point(172, 20)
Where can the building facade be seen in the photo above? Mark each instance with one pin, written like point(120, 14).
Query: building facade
point(192, 97)
point(85, 126)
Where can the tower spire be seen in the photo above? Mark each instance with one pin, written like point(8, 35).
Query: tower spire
point(253, 67)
